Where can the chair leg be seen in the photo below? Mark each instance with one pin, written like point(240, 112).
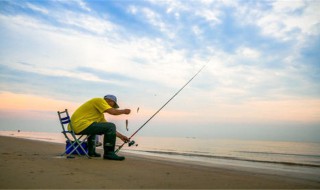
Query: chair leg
point(69, 148)
point(79, 143)
point(75, 148)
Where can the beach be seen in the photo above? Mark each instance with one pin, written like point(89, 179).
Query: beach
point(37, 165)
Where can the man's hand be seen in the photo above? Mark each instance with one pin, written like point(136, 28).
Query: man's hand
point(125, 139)
point(122, 137)
point(126, 111)
point(114, 111)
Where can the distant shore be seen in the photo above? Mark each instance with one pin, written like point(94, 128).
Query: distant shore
point(37, 165)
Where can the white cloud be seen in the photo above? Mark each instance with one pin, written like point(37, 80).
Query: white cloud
point(248, 52)
point(287, 20)
point(212, 16)
point(25, 20)
point(287, 6)
point(79, 3)
point(154, 19)
point(65, 50)
point(152, 16)
point(86, 22)
point(196, 30)
point(83, 5)
point(132, 9)
point(172, 6)
point(37, 8)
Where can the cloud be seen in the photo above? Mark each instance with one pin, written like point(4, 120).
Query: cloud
point(248, 53)
point(87, 23)
point(80, 3)
point(285, 20)
point(37, 8)
point(132, 9)
point(211, 16)
point(65, 49)
point(196, 30)
point(83, 5)
point(153, 18)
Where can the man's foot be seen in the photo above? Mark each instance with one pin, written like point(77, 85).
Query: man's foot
point(95, 155)
point(112, 156)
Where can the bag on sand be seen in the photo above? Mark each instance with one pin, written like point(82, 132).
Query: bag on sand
point(69, 148)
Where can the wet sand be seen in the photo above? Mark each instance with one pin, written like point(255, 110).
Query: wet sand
point(37, 165)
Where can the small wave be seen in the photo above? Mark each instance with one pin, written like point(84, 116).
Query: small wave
point(40, 138)
point(231, 158)
point(284, 154)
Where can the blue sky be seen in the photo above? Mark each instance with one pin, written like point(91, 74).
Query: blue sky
point(261, 80)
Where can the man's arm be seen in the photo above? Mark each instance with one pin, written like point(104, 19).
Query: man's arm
point(122, 137)
point(113, 111)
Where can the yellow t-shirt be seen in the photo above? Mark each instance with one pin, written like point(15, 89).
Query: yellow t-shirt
point(87, 113)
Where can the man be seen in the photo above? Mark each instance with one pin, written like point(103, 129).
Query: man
point(89, 119)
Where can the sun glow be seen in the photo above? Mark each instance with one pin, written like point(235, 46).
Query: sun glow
point(12, 101)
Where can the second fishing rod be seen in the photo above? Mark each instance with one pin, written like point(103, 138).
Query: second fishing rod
point(131, 142)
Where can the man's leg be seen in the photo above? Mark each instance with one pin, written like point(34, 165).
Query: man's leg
point(97, 129)
point(92, 131)
point(92, 146)
point(109, 141)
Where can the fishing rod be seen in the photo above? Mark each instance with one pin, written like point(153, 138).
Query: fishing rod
point(133, 142)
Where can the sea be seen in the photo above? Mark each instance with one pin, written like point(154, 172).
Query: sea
point(300, 159)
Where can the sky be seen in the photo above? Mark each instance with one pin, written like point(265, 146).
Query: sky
point(261, 79)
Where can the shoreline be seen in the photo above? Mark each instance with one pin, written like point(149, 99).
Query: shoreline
point(219, 160)
point(275, 169)
point(27, 163)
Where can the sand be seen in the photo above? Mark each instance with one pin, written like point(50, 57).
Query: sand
point(36, 165)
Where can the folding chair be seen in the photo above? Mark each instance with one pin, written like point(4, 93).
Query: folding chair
point(74, 141)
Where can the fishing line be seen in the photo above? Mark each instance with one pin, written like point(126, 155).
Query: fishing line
point(132, 142)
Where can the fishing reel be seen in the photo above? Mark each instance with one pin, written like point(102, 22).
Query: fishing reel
point(130, 143)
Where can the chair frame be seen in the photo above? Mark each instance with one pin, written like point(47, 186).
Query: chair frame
point(75, 142)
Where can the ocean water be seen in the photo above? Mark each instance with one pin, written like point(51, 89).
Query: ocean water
point(292, 157)
point(284, 153)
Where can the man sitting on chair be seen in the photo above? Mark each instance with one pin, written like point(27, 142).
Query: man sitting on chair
point(89, 119)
